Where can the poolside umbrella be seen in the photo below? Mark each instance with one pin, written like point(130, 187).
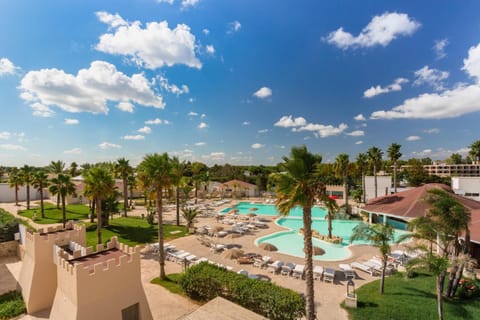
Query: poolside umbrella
point(268, 246)
point(233, 253)
point(317, 251)
point(234, 211)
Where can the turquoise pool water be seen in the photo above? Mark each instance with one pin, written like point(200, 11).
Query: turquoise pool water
point(271, 210)
point(291, 242)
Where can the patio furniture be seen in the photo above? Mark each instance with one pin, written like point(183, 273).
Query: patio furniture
point(275, 266)
point(287, 269)
point(329, 275)
point(366, 268)
point(318, 273)
point(347, 270)
point(298, 271)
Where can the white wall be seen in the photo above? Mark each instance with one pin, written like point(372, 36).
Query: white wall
point(383, 184)
point(7, 194)
point(468, 187)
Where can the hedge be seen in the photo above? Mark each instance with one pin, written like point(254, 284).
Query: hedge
point(205, 281)
point(8, 226)
point(11, 305)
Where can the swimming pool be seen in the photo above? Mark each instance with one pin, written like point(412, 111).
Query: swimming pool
point(291, 242)
point(271, 210)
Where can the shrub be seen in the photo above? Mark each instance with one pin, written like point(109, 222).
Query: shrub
point(11, 305)
point(468, 289)
point(204, 282)
point(8, 226)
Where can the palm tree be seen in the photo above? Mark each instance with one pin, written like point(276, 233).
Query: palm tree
point(40, 181)
point(298, 185)
point(159, 168)
point(380, 236)
point(394, 154)
point(15, 181)
point(123, 168)
point(332, 208)
point(56, 167)
point(101, 184)
point(475, 151)
point(26, 174)
point(62, 186)
point(375, 157)
point(362, 163)
point(178, 171)
point(189, 214)
point(197, 169)
point(341, 167)
point(73, 171)
point(132, 184)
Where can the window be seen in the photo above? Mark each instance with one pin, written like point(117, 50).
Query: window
point(131, 313)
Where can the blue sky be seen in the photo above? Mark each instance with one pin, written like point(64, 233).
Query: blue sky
point(236, 82)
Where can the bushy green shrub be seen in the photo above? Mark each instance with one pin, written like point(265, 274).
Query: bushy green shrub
point(468, 289)
point(204, 282)
point(8, 226)
point(11, 305)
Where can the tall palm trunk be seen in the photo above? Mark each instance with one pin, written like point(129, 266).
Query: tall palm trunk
point(382, 279)
point(440, 281)
point(28, 196)
point(177, 197)
point(395, 176)
point(345, 187)
point(125, 196)
point(16, 195)
point(64, 212)
point(42, 211)
point(329, 217)
point(92, 210)
point(196, 192)
point(58, 201)
point(375, 179)
point(364, 194)
point(161, 259)
point(98, 204)
point(307, 238)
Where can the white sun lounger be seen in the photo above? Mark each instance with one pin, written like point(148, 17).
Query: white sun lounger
point(318, 272)
point(329, 275)
point(363, 267)
point(298, 271)
point(275, 266)
point(347, 270)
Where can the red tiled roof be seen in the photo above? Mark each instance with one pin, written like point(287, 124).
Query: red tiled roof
point(411, 204)
point(240, 183)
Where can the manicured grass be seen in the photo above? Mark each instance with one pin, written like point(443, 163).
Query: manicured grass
point(171, 283)
point(11, 305)
point(133, 231)
point(54, 215)
point(407, 299)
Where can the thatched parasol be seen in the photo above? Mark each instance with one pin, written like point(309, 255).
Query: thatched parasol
point(268, 246)
point(232, 253)
point(317, 251)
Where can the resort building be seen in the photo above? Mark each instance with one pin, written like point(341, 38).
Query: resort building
point(468, 187)
point(451, 170)
point(79, 198)
point(384, 184)
point(238, 188)
point(60, 273)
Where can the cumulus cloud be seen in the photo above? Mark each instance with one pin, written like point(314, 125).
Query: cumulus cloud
point(71, 121)
point(145, 130)
point(234, 26)
point(5, 135)
point(432, 77)
point(359, 117)
point(189, 3)
point(263, 131)
point(206, 31)
point(12, 147)
point(439, 48)
point(7, 67)
point(289, 122)
point(172, 88)
point(412, 138)
point(245, 123)
point(210, 49)
point(359, 142)
point(432, 131)
point(107, 145)
point(200, 144)
point(321, 130)
point(73, 151)
point(257, 146)
point(376, 90)
point(356, 133)
point(202, 125)
point(215, 156)
point(157, 121)
point(133, 137)
point(151, 47)
point(381, 30)
point(88, 91)
point(449, 103)
point(125, 106)
point(263, 93)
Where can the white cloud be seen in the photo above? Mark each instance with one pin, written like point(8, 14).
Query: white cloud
point(289, 122)
point(125, 106)
point(108, 145)
point(359, 117)
point(440, 153)
point(145, 130)
point(245, 123)
point(432, 77)
point(189, 3)
point(439, 48)
point(200, 144)
point(263, 131)
point(381, 30)
point(133, 137)
point(202, 125)
point(257, 146)
point(73, 151)
point(412, 138)
point(88, 91)
point(157, 121)
point(323, 131)
point(71, 121)
point(206, 31)
point(153, 47)
point(263, 93)
point(210, 49)
point(359, 142)
point(5, 135)
point(172, 87)
point(216, 156)
point(203, 116)
point(463, 99)
point(375, 91)
point(234, 26)
point(165, 1)
point(432, 131)
point(356, 133)
point(12, 147)
point(7, 67)
point(192, 114)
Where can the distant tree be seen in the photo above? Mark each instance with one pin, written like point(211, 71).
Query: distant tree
point(26, 174)
point(475, 151)
point(57, 167)
point(416, 173)
point(15, 181)
point(332, 208)
point(73, 170)
point(178, 171)
point(189, 214)
point(375, 158)
point(362, 163)
point(40, 181)
point(455, 158)
point(342, 166)
point(63, 186)
point(132, 184)
point(394, 154)
point(124, 170)
point(197, 169)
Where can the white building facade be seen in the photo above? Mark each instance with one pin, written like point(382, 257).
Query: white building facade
point(468, 187)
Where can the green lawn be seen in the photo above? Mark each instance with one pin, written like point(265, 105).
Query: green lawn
point(54, 215)
point(11, 305)
point(171, 283)
point(407, 299)
point(133, 231)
